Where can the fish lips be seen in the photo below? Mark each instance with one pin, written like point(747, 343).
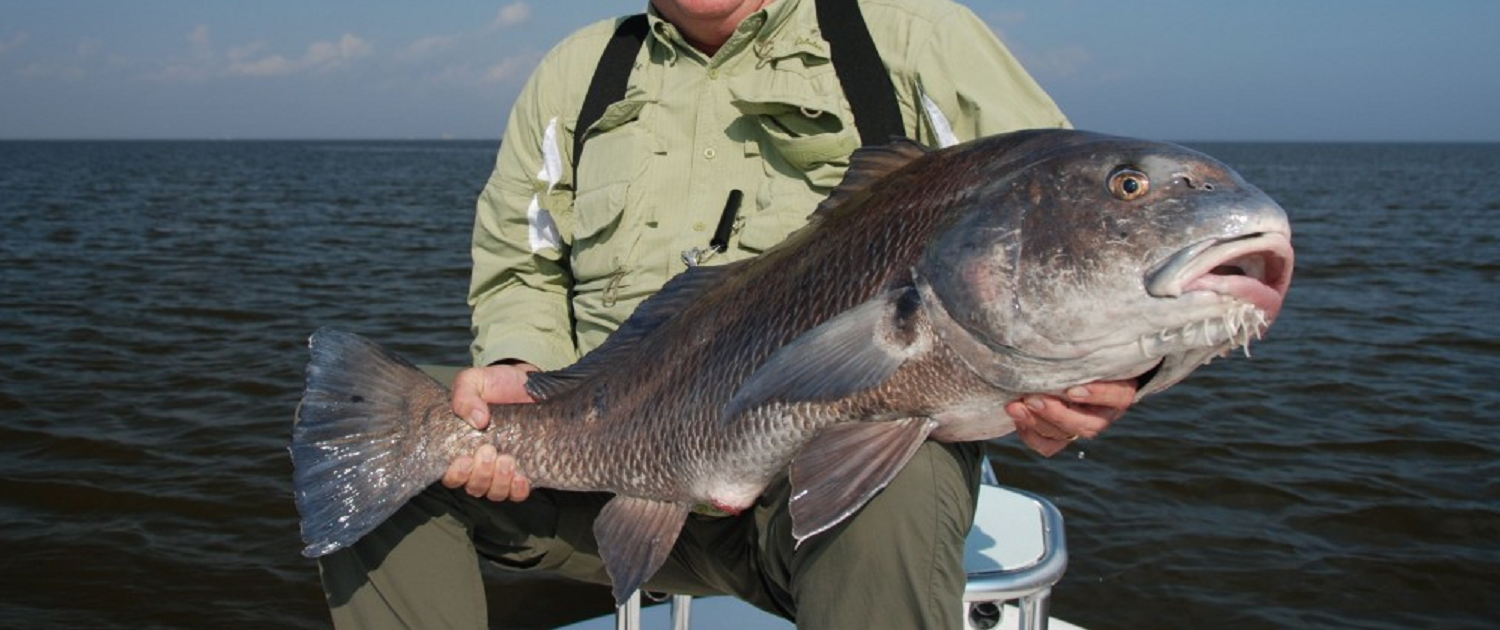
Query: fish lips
point(1255, 269)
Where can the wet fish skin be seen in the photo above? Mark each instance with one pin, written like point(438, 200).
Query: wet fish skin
point(928, 291)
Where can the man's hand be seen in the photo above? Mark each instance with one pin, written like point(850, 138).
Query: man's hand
point(1048, 424)
point(487, 473)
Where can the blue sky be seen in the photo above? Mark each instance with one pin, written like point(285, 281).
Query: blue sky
point(1364, 70)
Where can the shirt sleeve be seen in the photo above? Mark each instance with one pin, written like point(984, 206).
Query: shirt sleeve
point(519, 290)
point(976, 83)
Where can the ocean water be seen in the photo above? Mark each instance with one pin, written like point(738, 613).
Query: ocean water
point(155, 299)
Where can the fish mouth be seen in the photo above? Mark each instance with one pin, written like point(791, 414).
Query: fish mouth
point(1142, 379)
point(1255, 269)
point(1230, 289)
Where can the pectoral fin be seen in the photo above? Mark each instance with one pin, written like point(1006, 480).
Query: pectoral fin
point(635, 536)
point(845, 465)
point(853, 352)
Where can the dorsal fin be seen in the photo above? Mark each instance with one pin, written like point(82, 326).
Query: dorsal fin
point(679, 293)
point(869, 164)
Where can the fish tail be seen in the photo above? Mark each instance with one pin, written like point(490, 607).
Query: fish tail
point(359, 450)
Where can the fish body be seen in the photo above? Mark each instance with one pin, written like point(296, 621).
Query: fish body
point(930, 289)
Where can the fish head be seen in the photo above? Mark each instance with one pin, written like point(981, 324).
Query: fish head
point(1086, 257)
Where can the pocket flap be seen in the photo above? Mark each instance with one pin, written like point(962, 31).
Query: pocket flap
point(597, 209)
point(618, 113)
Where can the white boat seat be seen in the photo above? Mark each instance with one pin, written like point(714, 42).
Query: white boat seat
point(1016, 551)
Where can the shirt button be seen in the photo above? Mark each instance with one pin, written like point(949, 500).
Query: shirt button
point(713, 73)
point(699, 226)
point(709, 153)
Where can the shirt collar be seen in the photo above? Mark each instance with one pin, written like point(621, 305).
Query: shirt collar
point(755, 31)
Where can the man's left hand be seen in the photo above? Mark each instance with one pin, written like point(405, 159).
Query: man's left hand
point(1048, 424)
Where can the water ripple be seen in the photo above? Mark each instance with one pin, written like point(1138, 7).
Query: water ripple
point(156, 313)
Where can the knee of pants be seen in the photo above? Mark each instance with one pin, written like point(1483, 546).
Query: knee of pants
point(898, 561)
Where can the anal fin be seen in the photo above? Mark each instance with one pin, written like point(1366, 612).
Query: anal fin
point(635, 536)
point(844, 465)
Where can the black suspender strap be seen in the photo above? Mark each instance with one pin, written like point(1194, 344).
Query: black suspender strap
point(866, 82)
point(864, 78)
point(611, 77)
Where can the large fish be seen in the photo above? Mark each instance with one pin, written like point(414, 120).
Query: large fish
point(930, 289)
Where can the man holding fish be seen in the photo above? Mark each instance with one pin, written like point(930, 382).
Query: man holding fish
point(732, 127)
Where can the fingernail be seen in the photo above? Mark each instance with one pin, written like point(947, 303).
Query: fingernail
point(1036, 402)
point(475, 418)
point(1078, 392)
point(486, 456)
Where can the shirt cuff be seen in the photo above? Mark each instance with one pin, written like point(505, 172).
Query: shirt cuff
point(542, 351)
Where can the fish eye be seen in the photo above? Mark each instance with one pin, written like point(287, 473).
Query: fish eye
point(1128, 184)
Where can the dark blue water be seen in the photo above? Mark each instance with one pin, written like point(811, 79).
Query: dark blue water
point(155, 299)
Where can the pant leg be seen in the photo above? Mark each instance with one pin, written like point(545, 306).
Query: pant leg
point(416, 570)
point(420, 569)
point(897, 563)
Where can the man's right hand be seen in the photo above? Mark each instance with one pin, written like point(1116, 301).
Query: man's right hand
point(487, 473)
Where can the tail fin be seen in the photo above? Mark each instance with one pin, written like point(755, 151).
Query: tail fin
point(358, 451)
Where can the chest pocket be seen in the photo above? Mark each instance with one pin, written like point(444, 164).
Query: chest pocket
point(807, 131)
point(607, 214)
point(805, 139)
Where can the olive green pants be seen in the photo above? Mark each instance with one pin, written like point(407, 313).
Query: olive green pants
point(897, 563)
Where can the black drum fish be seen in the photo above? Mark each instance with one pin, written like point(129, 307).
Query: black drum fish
point(930, 288)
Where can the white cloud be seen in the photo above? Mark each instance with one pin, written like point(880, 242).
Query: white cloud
point(274, 65)
point(87, 58)
point(199, 64)
point(65, 72)
point(1062, 61)
point(87, 48)
point(320, 56)
point(328, 55)
point(467, 76)
point(205, 61)
point(200, 40)
point(245, 52)
point(511, 15)
point(426, 46)
point(13, 42)
point(509, 68)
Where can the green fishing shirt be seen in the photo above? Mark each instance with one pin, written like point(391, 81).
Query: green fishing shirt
point(559, 264)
